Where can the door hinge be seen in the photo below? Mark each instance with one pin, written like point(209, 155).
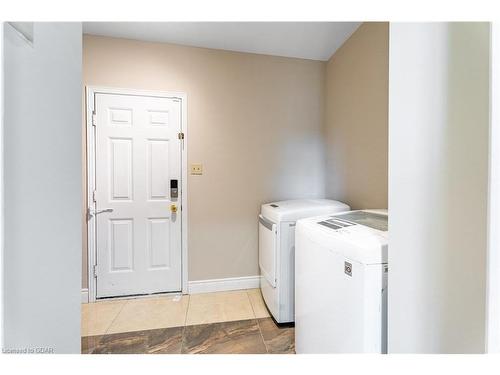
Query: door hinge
point(93, 119)
point(181, 135)
point(95, 271)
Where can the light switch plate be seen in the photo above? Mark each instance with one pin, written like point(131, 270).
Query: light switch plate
point(196, 169)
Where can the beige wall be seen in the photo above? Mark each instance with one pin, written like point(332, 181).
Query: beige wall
point(255, 122)
point(357, 118)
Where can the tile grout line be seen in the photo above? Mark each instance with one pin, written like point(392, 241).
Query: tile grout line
point(101, 335)
point(258, 323)
point(187, 309)
point(251, 304)
point(182, 339)
point(119, 312)
point(184, 326)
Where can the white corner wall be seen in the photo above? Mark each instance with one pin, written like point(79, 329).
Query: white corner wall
point(42, 187)
point(438, 186)
point(1, 188)
point(493, 303)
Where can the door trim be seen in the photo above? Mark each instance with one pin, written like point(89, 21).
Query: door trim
point(91, 91)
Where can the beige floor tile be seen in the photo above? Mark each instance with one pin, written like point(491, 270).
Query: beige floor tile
point(97, 317)
point(258, 304)
point(150, 313)
point(219, 297)
point(219, 307)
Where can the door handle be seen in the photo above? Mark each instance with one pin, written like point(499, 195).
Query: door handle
point(92, 212)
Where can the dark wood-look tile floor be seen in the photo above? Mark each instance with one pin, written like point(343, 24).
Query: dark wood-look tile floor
point(254, 336)
point(278, 339)
point(224, 338)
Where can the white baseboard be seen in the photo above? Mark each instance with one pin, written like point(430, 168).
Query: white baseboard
point(208, 286)
point(85, 295)
point(220, 285)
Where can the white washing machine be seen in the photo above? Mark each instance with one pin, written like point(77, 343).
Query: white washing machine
point(277, 247)
point(341, 283)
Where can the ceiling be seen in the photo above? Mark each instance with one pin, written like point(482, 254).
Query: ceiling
point(306, 40)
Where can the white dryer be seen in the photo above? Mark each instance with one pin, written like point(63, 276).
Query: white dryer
point(277, 247)
point(341, 283)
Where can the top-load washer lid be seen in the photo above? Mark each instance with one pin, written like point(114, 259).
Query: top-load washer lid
point(293, 210)
point(358, 235)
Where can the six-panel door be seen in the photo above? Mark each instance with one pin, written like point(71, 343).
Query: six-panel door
point(138, 153)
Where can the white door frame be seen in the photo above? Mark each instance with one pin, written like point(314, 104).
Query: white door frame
point(91, 91)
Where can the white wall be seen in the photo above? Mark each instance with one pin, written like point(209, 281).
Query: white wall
point(1, 187)
point(438, 179)
point(42, 175)
point(493, 303)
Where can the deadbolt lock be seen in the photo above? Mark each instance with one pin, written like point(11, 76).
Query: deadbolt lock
point(173, 208)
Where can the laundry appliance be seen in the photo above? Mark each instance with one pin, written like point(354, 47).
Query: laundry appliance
point(341, 283)
point(276, 249)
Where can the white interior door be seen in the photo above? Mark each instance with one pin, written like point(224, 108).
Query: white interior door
point(138, 153)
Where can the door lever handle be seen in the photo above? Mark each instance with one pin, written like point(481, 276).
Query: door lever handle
point(92, 212)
